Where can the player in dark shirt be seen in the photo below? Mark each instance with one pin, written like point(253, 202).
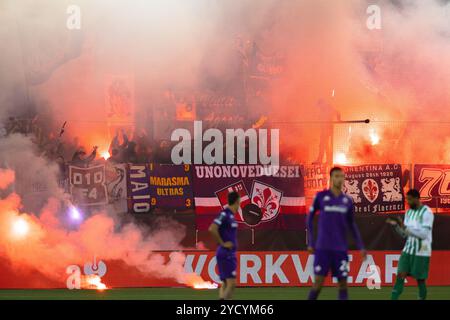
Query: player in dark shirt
point(224, 231)
point(330, 248)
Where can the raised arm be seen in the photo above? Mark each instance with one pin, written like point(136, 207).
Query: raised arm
point(91, 156)
point(125, 140)
point(114, 142)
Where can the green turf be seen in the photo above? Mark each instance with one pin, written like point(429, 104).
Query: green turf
point(288, 293)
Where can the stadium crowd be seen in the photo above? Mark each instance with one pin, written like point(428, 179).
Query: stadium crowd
point(135, 147)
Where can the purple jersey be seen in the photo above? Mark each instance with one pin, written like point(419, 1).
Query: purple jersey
point(335, 219)
point(227, 228)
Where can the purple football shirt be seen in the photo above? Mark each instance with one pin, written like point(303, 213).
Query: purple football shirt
point(227, 228)
point(335, 219)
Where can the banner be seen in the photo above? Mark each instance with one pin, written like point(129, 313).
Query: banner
point(119, 98)
point(88, 186)
point(185, 110)
point(210, 101)
point(316, 178)
point(116, 185)
point(35, 189)
point(268, 67)
point(375, 188)
point(138, 186)
point(254, 269)
point(433, 183)
point(266, 194)
point(171, 186)
point(294, 268)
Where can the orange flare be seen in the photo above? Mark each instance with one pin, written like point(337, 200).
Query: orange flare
point(93, 282)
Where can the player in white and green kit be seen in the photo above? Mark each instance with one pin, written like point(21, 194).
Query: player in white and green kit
point(415, 258)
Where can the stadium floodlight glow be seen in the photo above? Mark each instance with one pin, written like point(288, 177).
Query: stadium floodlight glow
point(75, 214)
point(20, 227)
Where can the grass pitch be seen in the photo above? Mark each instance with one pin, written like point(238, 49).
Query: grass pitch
point(274, 293)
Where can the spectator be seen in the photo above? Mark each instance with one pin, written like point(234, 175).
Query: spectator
point(62, 172)
point(163, 154)
point(79, 158)
point(145, 153)
point(115, 157)
point(130, 155)
point(120, 148)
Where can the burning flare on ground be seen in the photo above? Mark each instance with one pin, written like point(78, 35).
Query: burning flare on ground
point(205, 285)
point(41, 242)
point(20, 227)
point(196, 282)
point(93, 282)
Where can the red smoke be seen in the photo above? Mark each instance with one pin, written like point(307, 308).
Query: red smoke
point(41, 244)
point(6, 178)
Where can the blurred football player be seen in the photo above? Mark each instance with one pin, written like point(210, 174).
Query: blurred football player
point(224, 231)
point(330, 247)
point(415, 258)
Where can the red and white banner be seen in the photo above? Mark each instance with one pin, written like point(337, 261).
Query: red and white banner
point(255, 269)
point(433, 181)
point(294, 268)
point(264, 197)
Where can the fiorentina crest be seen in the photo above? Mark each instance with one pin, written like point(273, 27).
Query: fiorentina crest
point(370, 189)
point(263, 205)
